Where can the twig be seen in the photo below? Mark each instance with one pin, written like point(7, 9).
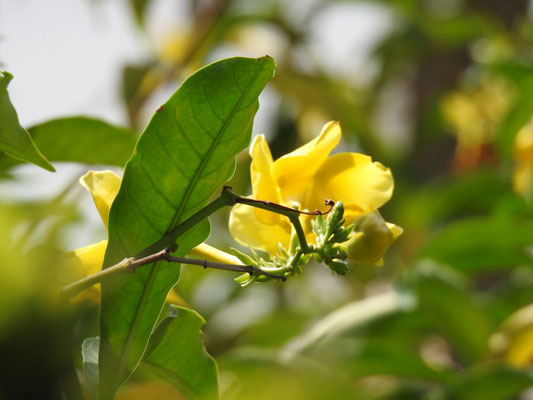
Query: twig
point(229, 198)
point(160, 250)
point(274, 206)
point(130, 265)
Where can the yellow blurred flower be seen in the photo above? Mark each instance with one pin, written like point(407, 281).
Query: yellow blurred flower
point(104, 186)
point(513, 341)
point(474, 115)
point(304, 178)
point(523, 157)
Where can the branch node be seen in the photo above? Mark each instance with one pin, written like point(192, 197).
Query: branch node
point(128, 265)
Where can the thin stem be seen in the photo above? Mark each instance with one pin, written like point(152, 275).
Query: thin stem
point(161, 249)
point(251, 269)
point(296, 258)
point(279, 209)
point(129, 265)
point(290, 213)
point(226, 198)
point(229, 198)
point(295, 220)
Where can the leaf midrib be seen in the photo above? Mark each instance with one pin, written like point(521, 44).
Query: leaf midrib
point(151, 278)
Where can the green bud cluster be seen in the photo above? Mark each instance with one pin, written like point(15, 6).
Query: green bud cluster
point(330, 233)
point(284, 263)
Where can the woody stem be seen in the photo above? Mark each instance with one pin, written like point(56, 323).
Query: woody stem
point(161, 249)
point(129, 265)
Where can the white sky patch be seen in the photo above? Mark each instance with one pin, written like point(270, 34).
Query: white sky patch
point(344, 35)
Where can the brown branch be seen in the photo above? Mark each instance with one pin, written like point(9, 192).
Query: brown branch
point(130, 265)
point(276, 206)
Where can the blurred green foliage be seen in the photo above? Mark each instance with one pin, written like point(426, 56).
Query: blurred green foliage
point(440, 320)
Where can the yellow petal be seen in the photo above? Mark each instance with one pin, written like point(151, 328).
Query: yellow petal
point(523, 156)
point(263, 185)
point(362, 185)
point(395, 229)
point(513, 340)
point(103, 186)
point(210, 253)
point(91, 257)
point(294, 172)
point(250, 231)
point(175, 298)
point(372, 237)
point(88, 261)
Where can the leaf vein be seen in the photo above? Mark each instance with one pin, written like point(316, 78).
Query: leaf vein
point(158, 191)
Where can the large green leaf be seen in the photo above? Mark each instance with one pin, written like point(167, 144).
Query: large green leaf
point(14, 139)
point(385, 357)
point(81, 139)
point(496, 382)
point(347, 320)
point(481, 244)
point(176, 353)
point(187, 151)
point(451, 309)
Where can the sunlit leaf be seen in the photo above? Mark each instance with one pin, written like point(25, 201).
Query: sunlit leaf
point(14, 139)
point(81, 139)
point(176, 354)
point(187, 151)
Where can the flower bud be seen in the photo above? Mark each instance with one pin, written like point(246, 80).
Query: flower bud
point(372, 237)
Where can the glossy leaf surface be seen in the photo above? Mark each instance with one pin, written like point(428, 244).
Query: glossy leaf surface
point(187, 151)
point(176, 353)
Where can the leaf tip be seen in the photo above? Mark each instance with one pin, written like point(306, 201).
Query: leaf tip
point(5, 78)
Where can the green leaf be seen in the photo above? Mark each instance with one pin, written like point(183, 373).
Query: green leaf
point(387, 357)
point(348, 319)
point(187, 151)
point(451, 309)
point(14, 139)
point(89, 352)
point(495, 382)
point(176, 354)
point(139, 8)
point(81, 139)
point(480, 244)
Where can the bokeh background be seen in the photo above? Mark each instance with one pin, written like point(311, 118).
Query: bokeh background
point(439, 91)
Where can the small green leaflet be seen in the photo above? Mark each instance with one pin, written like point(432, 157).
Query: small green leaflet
point(176, 354)
point(14, 139)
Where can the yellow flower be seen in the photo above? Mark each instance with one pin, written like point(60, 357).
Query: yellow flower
point(304, 178)
point(104, 186)
point(474, 114)
point(523, 156)
point(513, 340)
